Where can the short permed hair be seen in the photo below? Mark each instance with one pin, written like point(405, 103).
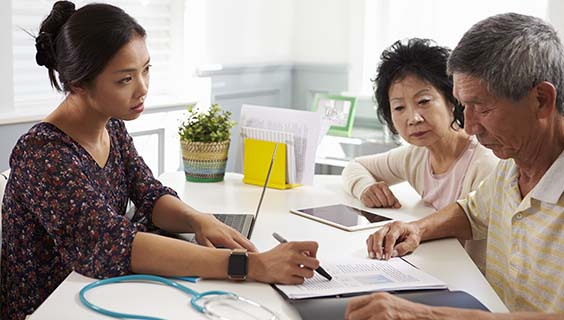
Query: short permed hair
point(511, 53)
point(421, 58)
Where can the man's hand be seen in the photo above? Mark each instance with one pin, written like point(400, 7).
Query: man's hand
point(384, 306)
point(393, 240)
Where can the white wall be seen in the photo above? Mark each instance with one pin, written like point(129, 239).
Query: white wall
point(556, 16)
point(263, 31)
point(245, 31)
point(321, 31)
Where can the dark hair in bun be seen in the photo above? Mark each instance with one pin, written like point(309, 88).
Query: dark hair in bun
point(44, 42)
point(78, 44)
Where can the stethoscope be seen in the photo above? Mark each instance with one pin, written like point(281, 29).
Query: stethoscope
point(213, 296)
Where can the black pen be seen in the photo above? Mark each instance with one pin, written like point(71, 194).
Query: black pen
point(319, 269)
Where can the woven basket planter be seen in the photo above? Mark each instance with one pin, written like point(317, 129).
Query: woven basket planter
point(204, 161)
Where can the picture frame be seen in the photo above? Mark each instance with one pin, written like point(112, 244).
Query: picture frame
point(338, 109)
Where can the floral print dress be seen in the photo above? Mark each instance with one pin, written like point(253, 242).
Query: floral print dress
point(63, 212)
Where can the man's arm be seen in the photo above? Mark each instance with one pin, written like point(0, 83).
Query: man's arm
point(399, 238)
point(450, 221)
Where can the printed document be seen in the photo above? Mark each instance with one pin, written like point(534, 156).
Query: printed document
point(357, 275)
point(304, 125)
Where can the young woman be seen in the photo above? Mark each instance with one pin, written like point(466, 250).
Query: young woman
point(73, 173)
point(442, 162)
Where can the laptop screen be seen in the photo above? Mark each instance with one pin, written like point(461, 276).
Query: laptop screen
point(263, 190)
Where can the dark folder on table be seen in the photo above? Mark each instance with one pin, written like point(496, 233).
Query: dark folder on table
point(334, 308)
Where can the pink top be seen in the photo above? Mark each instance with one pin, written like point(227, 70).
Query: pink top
point(443, 189)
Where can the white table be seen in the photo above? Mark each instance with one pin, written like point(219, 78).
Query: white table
point(445, 259)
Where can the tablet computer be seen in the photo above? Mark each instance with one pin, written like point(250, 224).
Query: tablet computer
point(343, 217)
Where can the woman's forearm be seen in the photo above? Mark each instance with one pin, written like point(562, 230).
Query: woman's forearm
point(173, 215)
point(154, 254)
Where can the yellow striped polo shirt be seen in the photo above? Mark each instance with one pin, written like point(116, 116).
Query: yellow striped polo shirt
point(525, 236)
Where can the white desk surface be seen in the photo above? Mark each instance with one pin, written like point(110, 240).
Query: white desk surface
point(445, 259)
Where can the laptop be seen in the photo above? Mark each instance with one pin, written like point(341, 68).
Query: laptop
point(244, 223)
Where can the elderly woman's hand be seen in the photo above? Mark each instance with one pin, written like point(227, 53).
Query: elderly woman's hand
point(379, 195)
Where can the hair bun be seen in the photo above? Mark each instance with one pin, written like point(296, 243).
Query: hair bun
point(45, 55)
point(66, 8)
point(50, 27)
point(61, 12)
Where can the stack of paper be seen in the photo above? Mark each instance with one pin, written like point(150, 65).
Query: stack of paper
point(274, 136)
point(305, 127)
point(357, 275)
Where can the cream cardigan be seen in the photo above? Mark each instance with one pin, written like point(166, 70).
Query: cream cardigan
point(408, 163)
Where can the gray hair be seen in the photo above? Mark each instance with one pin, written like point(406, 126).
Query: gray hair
point(511, 53)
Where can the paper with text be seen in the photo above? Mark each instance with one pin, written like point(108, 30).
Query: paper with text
point(304, 125)
point(356, 275)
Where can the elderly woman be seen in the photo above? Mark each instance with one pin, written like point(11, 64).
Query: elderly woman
point(441, 161)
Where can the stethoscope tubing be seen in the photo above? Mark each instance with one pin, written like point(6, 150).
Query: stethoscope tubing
point(145, 277)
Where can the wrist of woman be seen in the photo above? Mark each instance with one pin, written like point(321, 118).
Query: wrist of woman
point(365, 188)
point(194, 220)
point(255, 269)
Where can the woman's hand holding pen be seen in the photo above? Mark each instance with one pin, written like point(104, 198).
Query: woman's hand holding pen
point(393, 240)
point(285, 263)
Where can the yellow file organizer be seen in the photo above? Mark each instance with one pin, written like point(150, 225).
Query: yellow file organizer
point(256, 160)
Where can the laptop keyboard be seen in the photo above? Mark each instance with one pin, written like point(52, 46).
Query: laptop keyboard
point(235, 221)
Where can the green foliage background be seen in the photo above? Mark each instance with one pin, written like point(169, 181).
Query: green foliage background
point(211, 126)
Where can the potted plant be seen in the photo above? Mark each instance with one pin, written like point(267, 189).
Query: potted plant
point(204, 138)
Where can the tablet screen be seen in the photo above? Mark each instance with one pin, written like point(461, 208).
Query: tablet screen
point(344, 215)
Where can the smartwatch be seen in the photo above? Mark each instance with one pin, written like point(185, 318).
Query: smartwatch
point(237, 267)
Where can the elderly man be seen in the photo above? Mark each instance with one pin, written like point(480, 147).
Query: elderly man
point(508, 72)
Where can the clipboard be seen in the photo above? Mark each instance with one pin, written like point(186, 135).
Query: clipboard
point(256, 160)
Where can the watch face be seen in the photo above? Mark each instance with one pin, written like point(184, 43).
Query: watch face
point(237, 268)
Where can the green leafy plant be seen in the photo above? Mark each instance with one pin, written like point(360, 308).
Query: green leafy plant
point(211, 126)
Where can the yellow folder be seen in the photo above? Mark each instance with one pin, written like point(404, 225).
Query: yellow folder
point(256, 160)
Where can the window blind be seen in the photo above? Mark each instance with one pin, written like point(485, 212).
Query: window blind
point(162, 20)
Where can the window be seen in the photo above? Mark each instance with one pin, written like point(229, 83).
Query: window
point(444, 21)
point(163, 20)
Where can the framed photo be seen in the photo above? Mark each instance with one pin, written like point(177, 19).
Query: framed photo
point(339, 110)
